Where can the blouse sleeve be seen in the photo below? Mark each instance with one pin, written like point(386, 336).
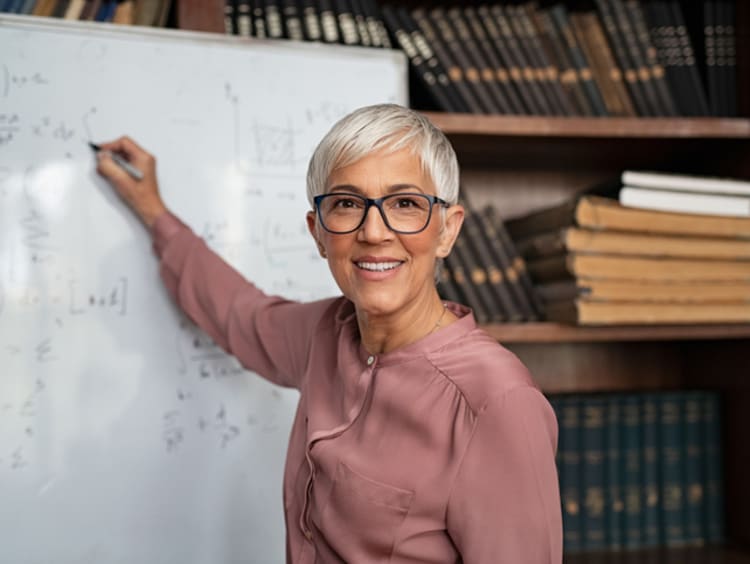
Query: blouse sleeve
point(267, 334)
point(505, 505)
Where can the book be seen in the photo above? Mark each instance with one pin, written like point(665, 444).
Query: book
point(596, 212)
point(685, 202)
point(469, 296)
point(650, 461)
point(230, 17)
point(571, 487)
point(360, 20)
point(244, 18)
point(347, 25)
point(713, 467)
point(586, 312)
point(575, 239)
point(446, 286)
point(560, 17)
point(593, 456)
point(684, 182)
point(693, 472)
point(74, 9)
point(328, 21)
point(480, 243)
point(124, 12)
point(44, 8)
point(623, 267)
point(506, 58)
point(292, 20)
point(483, 39)
point(447, 59)
point(557, 53)
point(602, 290)
point(615, 475)
point(274, 22)
point(605, 72)
point(672, 447)
point(450, 39)
point(478, 277)
point(631, 469)
point(378, 33)
point(624, 59)
point(311, 21)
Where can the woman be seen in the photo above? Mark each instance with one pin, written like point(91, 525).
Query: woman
point(417, 438)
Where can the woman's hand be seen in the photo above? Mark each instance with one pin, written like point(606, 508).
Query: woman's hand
point(141, 195)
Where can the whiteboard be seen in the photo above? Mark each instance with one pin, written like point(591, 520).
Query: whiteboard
point(125, 434)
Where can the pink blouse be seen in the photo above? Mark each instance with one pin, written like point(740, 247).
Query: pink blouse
point(441, 451)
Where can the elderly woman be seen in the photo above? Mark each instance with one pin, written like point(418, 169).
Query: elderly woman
point(417, 438)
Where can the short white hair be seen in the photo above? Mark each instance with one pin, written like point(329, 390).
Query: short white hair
point(390, 127)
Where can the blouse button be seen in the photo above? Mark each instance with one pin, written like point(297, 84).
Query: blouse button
point(308, 534)
point(370, 360)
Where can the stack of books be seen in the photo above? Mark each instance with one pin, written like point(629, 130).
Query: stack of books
point(599, 261)
point(485, 272)
point(153, 13)
point(640, 470)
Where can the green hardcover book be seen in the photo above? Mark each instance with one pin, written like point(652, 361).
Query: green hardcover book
point(570, 471)
point(593, 447)
point(671, 466)
point(614, 483)
point(693, 468)
point(630, 440)
point(650, 470)
point(714, 518)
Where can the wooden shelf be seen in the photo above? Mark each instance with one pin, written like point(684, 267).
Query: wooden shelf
point(689, 555)
point(562, 333)
point(579, 127)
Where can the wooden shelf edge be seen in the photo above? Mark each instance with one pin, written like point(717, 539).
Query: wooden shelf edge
point(547, 332)
point(554, 126)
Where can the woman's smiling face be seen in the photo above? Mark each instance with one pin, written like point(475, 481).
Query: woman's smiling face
point(380, 271)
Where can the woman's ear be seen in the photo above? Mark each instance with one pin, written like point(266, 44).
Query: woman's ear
point(312, 227)
point(454, 219)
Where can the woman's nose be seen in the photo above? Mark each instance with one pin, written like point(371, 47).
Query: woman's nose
point(374, 227)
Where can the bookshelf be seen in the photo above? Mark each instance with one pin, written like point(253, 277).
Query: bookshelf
point(524, 163)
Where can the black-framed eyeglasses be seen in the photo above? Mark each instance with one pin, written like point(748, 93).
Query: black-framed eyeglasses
point(342, 212)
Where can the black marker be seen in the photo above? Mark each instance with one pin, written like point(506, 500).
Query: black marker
point(125, 165)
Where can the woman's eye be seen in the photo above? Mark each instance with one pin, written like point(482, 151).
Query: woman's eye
point(346, 203)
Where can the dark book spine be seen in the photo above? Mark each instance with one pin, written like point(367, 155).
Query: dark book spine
point(453, 100)
point(494, 60)
point(478, 241)
point(559, 15)
point(508, 271)
point(623, 59)
point(506, 60)
point(638, 21)
point(519, 270)
point(570, 472)
point(487, 74)
point(614, 479)
point(360, 20)
point(730, 38)
point(671, 465)
point(258, 19)
point(630, 411)
point(478, 278)
point(446, 57)
point(694, 84)
point(547, 73)
point(594, 449)
point(567, 70)
point(347, 25)
point(375, 25)
point(714, 483)
point(230, 17)
point(397, 27)
point(460, 277)
point(650, 480)
point(693, 470)
point(274, 23)
point(311, 21)
point(328, 22)
point(503, 22)
point(292, 20)
point(447, 287)
point(634, 51)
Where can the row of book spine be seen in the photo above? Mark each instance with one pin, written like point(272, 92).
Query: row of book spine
point(485, 272)
point(130, 12)
point(347, 22)
point(623, 58)
point(640, 470)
